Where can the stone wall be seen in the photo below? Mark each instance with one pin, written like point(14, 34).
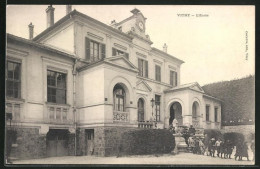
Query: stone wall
point(71, 145)
point(80, 142)
point(30, 144)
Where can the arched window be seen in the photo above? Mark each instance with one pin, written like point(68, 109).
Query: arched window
point(195, 110)
point(140, 110)
point(119, 98)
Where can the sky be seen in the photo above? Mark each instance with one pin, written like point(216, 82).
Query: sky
point(216, 48)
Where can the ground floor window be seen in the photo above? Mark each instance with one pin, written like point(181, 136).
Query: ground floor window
point(157, 107)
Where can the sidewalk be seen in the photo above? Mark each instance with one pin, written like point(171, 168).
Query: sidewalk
point(166, 159)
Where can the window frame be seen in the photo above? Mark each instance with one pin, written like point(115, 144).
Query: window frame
point(143, 70)
point(55, 87)
point(172, 79)
point(157, 108)
point(158, 75)
point(90, 50)
point(208, 113)
point(116, 52)
point(13, 80)
point(216, 114)
point(118, 97)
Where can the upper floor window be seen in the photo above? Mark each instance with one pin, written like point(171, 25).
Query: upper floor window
point(119, 98)
point(116, 52)
point(216, 114)
point(207, 112)
point(143, 67)
point(157, 73)
point(94, 50)
point(173, 78)
point(13, 79)
point(157, 107)
point(56, 87)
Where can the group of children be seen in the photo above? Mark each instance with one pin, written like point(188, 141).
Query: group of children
point(221, 148)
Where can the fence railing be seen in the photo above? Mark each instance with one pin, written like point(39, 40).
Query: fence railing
point(145, 124)
point(58, 114)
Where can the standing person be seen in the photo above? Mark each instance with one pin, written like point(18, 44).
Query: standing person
point(217, 145)
point(202, 147)
point(244, 152)
point(191, 143)
point(192, 130)
point(253, 149)
point(206, 144)
point(222, 149)
point(229, 147)
point(238, 150)
point(212, 147)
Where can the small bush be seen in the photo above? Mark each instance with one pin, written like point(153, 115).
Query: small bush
point(234, 137)
point(213, 133)
point(147, 141)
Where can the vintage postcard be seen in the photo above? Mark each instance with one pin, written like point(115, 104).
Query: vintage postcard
point(130, 84)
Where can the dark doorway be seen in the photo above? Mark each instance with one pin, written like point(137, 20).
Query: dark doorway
point(89, 141)
point(57, 142)
point(176, 113)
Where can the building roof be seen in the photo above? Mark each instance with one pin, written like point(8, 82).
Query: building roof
point(192, 86)
point(39, 45)
point(76, 13)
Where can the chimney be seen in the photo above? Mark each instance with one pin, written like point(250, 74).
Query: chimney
point(165, 48)
point(31, 26)
point(68, 9)
point(50, 16)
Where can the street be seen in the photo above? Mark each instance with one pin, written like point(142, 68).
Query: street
point(165, 159)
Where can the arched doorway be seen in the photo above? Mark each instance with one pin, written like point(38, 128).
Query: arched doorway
point(176, 113)
point(140, 105)
point(195, 114)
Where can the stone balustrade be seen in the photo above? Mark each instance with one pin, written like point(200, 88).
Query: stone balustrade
point(145, 124)
point(58, 114)
point(119, 116)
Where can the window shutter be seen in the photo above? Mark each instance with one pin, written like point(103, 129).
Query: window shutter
point(87, 48)
point(159, 73)
point(140, 67)
point(103, 51)
point(146, 68)
point(171, 78)
point(176, 77)
point(113, 52)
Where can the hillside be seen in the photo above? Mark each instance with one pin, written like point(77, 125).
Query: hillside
point(238, 97)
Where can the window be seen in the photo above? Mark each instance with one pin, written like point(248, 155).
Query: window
point(140, 110)
point(94, 50)
point(157, 107)
point(216, 114)
point(116, 52)
point(119, 98)
point(157, 73)
point(143, 67)
point(207, 112)
point(13, 111)
point(173, 78)
point(13, 79)
point(56, 87)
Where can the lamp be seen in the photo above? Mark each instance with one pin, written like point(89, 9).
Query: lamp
point(152, 104)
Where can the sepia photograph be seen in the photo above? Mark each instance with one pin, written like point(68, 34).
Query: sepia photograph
point(130, 85)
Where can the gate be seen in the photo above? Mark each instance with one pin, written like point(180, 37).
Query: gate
point(57, 143)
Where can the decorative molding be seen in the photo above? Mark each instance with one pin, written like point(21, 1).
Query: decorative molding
point(16, 52)
point(120, 46)
point(9, 58)
point(58, 62)
point(95, 36)
point(172, 67)
point(108, 36)
point(57, 69)
point(140, 54)
point(157, 61)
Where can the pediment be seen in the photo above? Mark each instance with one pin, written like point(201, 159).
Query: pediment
point(197, 87)
point(143, 86)
point(122, 62)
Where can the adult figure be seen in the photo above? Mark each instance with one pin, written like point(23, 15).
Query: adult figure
point(244, 151)
point(229, 147)
point(212, 147)
point(192, 130)
point(217, 145)
point(238, 153)
point(206, 144)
